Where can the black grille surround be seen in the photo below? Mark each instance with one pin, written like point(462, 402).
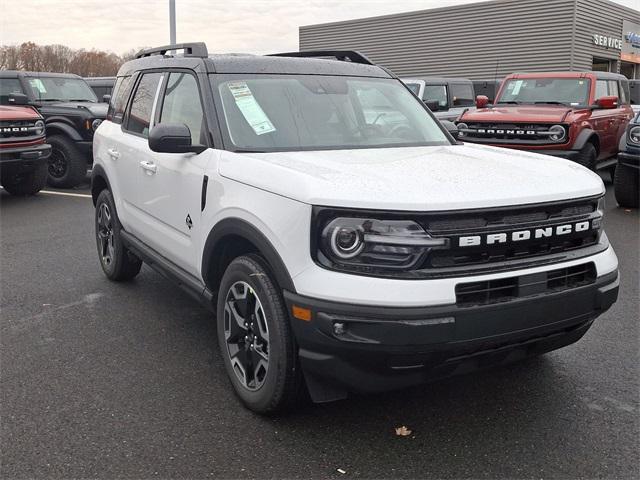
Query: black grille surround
point(511, 133)
point(454, 260)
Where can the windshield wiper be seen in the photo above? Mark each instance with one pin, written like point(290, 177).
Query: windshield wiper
point(509, 102)
point(80, 100)
point(50, 100)
point(549, 103)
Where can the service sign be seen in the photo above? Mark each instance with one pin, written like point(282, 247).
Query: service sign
point(607, 41)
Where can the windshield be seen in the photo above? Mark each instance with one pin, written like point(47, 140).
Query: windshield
point(567, 91)
point(61, 88)
point(311, 112)
point(436, 93)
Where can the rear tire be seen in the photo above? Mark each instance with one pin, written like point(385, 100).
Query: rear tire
point(67, 165)
point(28, 183)
point(255, 337)
point(625, 185)
point(588, 156)
point(117, 262)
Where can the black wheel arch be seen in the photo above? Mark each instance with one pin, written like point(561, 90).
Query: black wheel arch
point(60, 128)
point(232, 237)
point(99, 182)
point(587, 136)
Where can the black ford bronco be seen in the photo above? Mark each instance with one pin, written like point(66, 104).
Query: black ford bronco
point(72, 113)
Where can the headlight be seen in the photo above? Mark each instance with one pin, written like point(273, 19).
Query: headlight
point(368, 245)
point(39, 126)
point(95, 124)
point(462, 126)
point(557, 133)
point(634, 135)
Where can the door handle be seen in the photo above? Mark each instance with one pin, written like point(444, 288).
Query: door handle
point(113, 153)
point(149, 167)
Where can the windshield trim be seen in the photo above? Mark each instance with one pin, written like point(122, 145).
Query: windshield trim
point(216, 79)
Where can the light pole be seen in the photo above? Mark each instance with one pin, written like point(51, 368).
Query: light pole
point(172, 22)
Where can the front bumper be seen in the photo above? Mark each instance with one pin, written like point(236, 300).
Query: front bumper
point(630, 159)
point(24, 158)
point(383, 348)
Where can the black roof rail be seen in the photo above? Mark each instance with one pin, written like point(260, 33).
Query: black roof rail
point(196, 49)
point(342, 55)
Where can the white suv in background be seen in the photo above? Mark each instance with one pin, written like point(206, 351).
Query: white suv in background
point(344, 239)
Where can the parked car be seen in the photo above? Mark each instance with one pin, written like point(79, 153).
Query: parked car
point(339, 256)
point(446, 97)
point(575, 115)
point(634, 93)
point(625, 180)
point(71, 112)
point(101, 86)
point(488, 88)
point(23, 151)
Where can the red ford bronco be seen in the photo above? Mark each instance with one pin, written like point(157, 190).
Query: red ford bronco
point(580, 116)
point(23, 151)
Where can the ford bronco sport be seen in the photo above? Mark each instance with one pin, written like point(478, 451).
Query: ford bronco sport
point(576, 115)
point(23, 151)
point(339, 252)
point(626, 177)
point(71, 112)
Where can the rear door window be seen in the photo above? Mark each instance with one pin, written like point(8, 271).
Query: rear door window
point(461, 94)
point(141, 108)
point(7, 87)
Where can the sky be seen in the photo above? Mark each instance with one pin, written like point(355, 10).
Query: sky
point(252, 26)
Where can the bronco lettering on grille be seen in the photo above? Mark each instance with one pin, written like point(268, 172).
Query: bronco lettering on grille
point(522, 235)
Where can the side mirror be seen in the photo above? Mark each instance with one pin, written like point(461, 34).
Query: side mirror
point(450, 127)
point(106, 98)
point(482, 101)
point(172, 138)
point(18, 99)
point(607, 102)
point(432, 105)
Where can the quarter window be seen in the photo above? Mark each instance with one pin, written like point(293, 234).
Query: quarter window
point(119, 98)
point(139, 118)
point(182, 105)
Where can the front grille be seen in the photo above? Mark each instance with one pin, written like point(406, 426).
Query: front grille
point(531, 134)
point(536, 220)
point(506, 289)
point(17, 130)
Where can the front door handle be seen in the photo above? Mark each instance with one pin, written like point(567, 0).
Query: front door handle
point(150, 167)
point(113, 153)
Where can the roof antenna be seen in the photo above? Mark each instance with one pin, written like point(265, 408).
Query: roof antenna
point(495, 80)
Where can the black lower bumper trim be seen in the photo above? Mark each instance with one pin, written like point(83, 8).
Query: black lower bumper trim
point(370, 349)
point(24, 158)
point(630, 159)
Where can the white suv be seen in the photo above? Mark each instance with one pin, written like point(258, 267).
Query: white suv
point(344, 239)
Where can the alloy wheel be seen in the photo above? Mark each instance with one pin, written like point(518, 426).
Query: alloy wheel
point(247, 335)
point(105, 235)
point(57, 164)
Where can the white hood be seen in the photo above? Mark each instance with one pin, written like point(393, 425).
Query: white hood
point(414, 178)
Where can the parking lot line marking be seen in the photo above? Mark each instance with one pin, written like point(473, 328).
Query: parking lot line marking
point(83, 195)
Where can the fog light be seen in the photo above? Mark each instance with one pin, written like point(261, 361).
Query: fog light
point(339, 328)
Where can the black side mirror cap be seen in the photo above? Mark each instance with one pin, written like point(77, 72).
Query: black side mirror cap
point(172, 138)
point(432, 105)
point(106, 98)
point(18, 99)
point(451, 127)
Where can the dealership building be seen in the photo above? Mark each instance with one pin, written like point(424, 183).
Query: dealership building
point(493, 38)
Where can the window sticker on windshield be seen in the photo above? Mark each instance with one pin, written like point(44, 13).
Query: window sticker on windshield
point(517, 86)
point(250, 109)
point(37, 84)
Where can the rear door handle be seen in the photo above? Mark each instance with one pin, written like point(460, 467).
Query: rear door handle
point(113, 153)
point(150, 167)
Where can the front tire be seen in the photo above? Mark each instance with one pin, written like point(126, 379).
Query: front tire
point(67, 165)
point(625, 185)
point(117, 262)
point(28, 183)
point(588, 156)
point(255, 337)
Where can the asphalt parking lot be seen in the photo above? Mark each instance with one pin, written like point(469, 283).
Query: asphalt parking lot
point(124, 380)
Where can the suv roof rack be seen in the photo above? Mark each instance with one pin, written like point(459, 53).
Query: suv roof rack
point(196, 49)
point(342, 55)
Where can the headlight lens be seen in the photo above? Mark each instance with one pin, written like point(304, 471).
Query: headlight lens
point(39, 126)
point(557, 133)
point(95, 124)
point(462, 126)
point(634, 135)
point(368, 245)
